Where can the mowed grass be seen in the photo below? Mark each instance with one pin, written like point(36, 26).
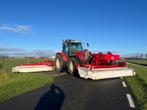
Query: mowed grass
point(13, 84)
point(138, 61)
point(138, 84)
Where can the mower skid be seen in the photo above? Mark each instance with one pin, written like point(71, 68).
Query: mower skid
point(104, 73)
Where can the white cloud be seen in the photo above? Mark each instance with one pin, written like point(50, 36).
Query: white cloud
point(15, 28)
point(11, 50)
point(44, 53)
point(23, 52)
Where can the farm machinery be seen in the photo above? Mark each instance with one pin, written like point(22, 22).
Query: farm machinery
point(45, 65)
point(90, 65)
point(81, 62)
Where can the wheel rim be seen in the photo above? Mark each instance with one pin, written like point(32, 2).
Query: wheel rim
point(71, 66)
point(58, 65)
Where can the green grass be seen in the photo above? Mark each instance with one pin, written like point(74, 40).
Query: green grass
point(138, 84)
point(13, 84)
point(8, 63)
point(18, 83)
point(138, 61)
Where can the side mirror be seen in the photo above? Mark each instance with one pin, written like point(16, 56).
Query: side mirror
point(87, 44)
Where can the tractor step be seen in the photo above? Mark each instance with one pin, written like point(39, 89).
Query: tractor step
point(105, 73)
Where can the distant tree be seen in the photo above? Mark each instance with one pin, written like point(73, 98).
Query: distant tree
point(141, 56)
point(145, 55)
point(1, 59)
point(1, 65)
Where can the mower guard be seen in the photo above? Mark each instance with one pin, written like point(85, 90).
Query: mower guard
point(45, 65)
point(104, 73)
point(35, 68)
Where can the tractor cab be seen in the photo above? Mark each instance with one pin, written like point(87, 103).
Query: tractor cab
point(72, 46)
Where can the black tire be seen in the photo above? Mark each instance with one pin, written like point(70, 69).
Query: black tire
point(59, 63)
point(71, 66)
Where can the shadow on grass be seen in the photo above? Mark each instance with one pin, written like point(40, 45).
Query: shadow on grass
point(52, 100)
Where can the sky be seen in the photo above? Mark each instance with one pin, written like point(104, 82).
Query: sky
point(107, 25)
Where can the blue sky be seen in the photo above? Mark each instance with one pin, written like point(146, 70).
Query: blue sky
point(115, 25)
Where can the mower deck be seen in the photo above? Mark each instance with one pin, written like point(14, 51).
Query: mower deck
point(35, 68)
point(46, 65)
point(104, 73)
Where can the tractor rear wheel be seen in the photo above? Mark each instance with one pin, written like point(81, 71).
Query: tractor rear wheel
point(59, 63)
point(72, 66)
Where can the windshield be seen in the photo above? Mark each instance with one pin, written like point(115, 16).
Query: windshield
point(76, 47)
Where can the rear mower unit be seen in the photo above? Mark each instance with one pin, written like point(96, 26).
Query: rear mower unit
point(90, 65)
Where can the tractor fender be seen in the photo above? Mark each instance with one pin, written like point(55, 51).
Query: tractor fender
point(63, 55)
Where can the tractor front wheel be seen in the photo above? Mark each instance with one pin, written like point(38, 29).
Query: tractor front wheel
point(72, 66)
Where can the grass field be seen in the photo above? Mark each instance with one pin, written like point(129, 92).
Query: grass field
point(138, 84)
point(8, 63)
point(12, 84)
point(138, 61)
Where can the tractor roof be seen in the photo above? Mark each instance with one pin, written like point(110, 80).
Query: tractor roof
point(71, 41)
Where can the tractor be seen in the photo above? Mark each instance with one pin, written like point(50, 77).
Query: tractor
point(90, 65)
